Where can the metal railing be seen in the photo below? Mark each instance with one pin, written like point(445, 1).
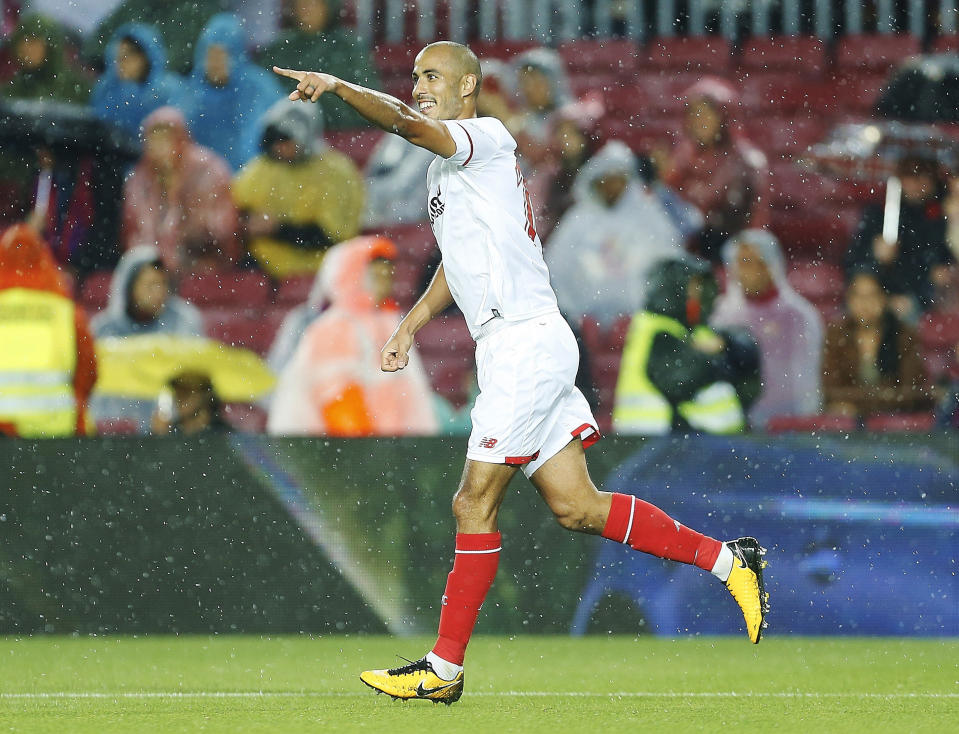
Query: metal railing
point(553, 21)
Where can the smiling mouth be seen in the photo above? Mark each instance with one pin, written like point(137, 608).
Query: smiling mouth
point(426, 105)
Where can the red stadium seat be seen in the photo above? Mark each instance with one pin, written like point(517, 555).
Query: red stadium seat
point(414, 242)
point(811, 424)
point(820, 282)
point(446, 349)
point(357, 144)
point(245, 417)
point(95, 292)
point(939, 330)
point(856, 92)
point(792, 186)
point(705, 54)
point(901, 423)
point(946, 44)
point(118, 427)
point(245, 288)
point(504, 48)
point(294, 290)
point(875, 52)
point(785, 136)
point(818, 231)
point(396, 59)
point(805, 55)
point(609, 56)
point(249, 330)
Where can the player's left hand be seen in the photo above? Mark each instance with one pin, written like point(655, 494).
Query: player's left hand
point(396, 354)
point(312, 84)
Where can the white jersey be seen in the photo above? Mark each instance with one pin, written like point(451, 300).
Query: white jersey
point(483, 222)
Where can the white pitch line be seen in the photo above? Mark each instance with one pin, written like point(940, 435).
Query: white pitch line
point(514, 694)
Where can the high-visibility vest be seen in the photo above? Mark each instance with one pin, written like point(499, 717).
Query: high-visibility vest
point(38, 355)
point(640, 408)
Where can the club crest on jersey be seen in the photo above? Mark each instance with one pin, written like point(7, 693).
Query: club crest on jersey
point(436, 206)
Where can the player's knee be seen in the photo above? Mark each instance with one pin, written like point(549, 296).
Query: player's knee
point(570, 515)
point(467, 505)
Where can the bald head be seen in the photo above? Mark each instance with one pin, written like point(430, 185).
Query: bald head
point(459, 59)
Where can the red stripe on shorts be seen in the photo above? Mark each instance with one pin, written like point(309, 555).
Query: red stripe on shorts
point(520, 459)
point(591, 438)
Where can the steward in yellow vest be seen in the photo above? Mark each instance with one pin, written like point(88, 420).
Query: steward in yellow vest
point(677, 374)
point(47, 365)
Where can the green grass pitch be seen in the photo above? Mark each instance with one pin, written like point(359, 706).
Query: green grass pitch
point(522, 684)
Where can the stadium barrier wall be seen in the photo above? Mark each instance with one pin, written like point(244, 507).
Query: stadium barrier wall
point(241, 533)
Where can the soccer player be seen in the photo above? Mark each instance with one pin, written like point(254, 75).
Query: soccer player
point(528, 414)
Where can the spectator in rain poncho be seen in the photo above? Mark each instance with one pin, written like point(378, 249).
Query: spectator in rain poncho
point(228, 92)
point(141, 302)
point(178, 198)
point(41, 68)
point(316, 39)
point(716, 169)
point(601, 250)
point(47, 361)
point(298, 196)
point(542, 88)
point(333, 385)
point(135, 81)
point(787, 327)
point(395, 192)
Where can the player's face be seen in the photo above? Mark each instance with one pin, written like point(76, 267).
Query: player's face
point(436, 85)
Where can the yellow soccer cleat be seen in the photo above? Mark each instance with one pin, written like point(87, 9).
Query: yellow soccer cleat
point(745, 583)
point(416, 680)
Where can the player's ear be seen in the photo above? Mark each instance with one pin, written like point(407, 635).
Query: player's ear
point(468, 84)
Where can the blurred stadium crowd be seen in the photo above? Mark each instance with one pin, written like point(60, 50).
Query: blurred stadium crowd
point(759, 235)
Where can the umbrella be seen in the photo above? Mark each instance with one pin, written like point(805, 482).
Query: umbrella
point(141, 366)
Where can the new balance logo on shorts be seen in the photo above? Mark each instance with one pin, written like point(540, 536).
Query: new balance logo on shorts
point(488, 443)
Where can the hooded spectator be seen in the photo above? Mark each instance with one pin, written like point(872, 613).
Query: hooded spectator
point(786, 326)
point(678, 374)
point(298, 196)
point(178, 198)
point(179, 23)
point(871, 361)
point(47, 363)
point(189, 406)
point(906, 267)
point(41, 68)
point(542, 88)
point(601, 250)
point(229, 93)
point(136, 80)
point(317, 39)
point(716, 169)
point(141, 300)
point(395, 173)
point(333, 385)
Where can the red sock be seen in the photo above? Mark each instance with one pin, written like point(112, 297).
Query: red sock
point(648, 529)
point(477, 556)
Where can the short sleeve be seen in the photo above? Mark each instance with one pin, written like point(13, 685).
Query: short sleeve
point(477, 141)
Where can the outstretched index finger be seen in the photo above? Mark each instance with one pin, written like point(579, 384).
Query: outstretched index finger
point(290, 73)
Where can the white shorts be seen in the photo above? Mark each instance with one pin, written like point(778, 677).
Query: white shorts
point(528, 408)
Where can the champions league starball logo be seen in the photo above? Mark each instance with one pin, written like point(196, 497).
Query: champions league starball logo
point(436, 206)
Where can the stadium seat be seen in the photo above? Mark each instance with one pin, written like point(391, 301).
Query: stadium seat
point(245, 417)
point(901, 423)
point(799, 55)
point(818, 231)
point(946, 44)
point(249, 330)
point(854, 92)
point(704, 54)
point(395, 59)
point(446, 349)
point(811, 424)
point(246, 288)
point(608, 56)
point(294, 290)
point(95, 291)
point(821, 283)
point(414, 242)
point(503, 48)
point(118, 427)
point(875, 52)
point(792, 186)
point(357, 144)
point(784, 136)
point(939, 330)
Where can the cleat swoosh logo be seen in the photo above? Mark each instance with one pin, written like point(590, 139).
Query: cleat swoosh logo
point(424, 692)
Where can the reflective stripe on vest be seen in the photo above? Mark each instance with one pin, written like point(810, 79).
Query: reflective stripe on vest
point(640, 408)
point(37, 361)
